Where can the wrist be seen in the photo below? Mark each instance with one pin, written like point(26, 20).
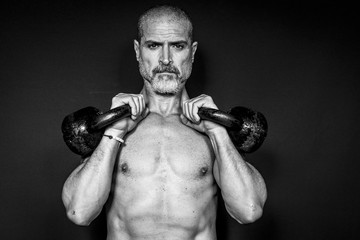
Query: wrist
point(115, 132)
point(218, 131)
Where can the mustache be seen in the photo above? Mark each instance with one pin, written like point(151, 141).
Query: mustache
point(168, 69)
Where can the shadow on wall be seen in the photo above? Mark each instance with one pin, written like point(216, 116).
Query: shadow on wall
point(197, 81)
point(98, 227)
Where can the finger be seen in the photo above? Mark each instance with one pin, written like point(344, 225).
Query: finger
point(189, 110)
point(192, 110)
point(187, 122)
point(143, 115)
point(142, 104)
point(132, 105)
point(195, 114)
point(196, 104)
point(186, 109)
point(137, 105)
point(117, 101)
point(145, 112)
point(184, 119)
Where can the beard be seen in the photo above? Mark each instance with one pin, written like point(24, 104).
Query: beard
point(165, 84)
point(165, 80)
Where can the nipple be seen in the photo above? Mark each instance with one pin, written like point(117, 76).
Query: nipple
point(204, 170)
point(124, 167)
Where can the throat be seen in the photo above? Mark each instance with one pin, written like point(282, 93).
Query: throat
point(166, 110)
point(165, 105)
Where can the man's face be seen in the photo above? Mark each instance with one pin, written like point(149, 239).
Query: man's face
point(165, 55)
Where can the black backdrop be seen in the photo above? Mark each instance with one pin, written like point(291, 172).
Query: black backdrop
point(297, 63)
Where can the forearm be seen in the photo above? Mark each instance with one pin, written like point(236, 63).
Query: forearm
point(242, 187)
point(88, 187)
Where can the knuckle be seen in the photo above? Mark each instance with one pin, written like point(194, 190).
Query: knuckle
point(207, 97)
point(117, 96)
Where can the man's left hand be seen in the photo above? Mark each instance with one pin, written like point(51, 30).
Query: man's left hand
point(190, 117)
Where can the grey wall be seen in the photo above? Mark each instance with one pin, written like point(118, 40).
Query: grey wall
point(296, 63)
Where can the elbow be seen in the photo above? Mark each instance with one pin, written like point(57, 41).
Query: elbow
point(77, 218)
point(76, 212)
point(246, 215)
point(252, 215)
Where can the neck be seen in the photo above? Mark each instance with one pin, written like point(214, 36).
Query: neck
point(164, 104)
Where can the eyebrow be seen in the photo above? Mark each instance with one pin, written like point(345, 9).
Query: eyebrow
point(171, 43)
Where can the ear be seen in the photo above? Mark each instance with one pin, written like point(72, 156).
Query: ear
point(137, 49)
point(193, 49)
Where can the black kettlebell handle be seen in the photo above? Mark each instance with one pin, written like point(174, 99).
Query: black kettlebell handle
point(220, 117)
point(214, 115)
point(105, 119)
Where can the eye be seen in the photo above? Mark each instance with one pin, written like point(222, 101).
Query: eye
point(153, 45)
point(179, 46)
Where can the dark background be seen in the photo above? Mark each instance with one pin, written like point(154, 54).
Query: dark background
point(296, 62)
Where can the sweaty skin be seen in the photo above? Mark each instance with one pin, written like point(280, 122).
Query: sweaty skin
point(163, 186)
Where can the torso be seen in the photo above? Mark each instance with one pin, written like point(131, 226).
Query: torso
point(163, 184)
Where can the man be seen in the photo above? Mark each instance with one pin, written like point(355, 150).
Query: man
point(158, 172)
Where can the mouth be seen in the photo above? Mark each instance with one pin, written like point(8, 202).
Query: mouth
point(161, 73)
point(167, 76)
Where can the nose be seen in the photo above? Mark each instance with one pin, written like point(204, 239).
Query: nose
point(165, 57)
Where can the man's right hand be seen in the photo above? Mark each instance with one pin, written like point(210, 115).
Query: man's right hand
point(138, 111)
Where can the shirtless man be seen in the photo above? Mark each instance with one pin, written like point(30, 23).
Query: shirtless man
point(162, 182)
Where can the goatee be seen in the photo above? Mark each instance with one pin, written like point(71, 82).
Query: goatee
point(166, 84)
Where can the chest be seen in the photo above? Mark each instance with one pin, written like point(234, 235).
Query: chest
point(165, 147)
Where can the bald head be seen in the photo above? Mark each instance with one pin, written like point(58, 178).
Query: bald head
point(164, 14)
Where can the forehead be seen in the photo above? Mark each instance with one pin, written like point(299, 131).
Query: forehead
point(166, 28)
